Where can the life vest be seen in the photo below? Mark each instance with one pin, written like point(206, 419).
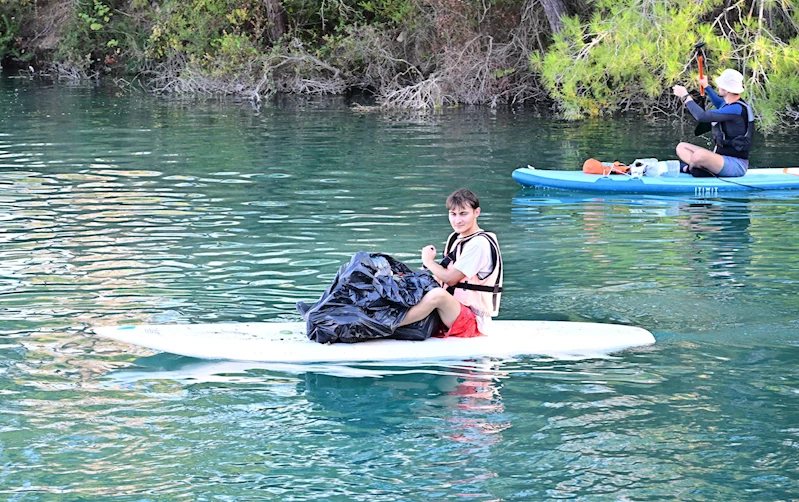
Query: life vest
point(481, 294)
point(735, 146)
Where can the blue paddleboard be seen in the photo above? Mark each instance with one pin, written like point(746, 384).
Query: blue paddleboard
point(772, 178)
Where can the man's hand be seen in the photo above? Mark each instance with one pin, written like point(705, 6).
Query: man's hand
point(703, 82)
point(449, 275)
point(679, 91)
point(428, 255)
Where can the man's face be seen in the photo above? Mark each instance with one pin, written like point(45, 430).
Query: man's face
point(464, 219)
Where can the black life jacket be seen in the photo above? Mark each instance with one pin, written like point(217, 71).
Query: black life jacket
point(735, 146)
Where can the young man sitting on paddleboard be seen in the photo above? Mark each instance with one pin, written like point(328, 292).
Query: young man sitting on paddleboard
point(472, 270)
point(733, 127)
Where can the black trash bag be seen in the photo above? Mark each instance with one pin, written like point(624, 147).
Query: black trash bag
point(368, 299)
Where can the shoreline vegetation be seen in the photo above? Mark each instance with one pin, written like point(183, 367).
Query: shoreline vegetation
point(580, 58)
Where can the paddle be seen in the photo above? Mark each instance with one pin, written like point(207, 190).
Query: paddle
point(701, 127)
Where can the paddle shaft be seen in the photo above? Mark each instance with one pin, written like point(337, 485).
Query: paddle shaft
point(699, 60)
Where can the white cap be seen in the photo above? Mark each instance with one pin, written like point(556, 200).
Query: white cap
point(731, 81)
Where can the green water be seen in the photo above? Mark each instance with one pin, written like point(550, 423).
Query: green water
point(118, 209)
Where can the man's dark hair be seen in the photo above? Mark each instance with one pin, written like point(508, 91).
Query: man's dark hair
point(462, 198)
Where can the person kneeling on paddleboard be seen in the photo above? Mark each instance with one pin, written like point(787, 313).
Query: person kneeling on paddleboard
point(732, 127)
point(471, 270)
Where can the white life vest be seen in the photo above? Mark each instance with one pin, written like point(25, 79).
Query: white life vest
point(480, 294)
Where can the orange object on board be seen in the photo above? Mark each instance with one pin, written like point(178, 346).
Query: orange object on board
point(593, 166)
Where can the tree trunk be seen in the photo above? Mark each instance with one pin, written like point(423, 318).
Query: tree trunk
point(555, 10)
point(277, 20)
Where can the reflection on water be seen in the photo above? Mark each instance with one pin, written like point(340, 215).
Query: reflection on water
point(660, 422)
point(677, 264)
point(129, 209)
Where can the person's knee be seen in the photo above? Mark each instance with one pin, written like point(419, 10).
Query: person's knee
point(435, 297)
point(685, 151)
point(440, 299)
point(702, 157)
point(699, 156)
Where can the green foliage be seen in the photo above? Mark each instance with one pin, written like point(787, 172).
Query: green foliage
point(91, 38)
point(97, 17)
point(11, 14)
point(770, 66)
point(317, 20)
point(395, 12)
point(628, 48)
point(617, 55)
point(498, 74)
point(233, 52)
point(8, 29)
point(222, 36)
point(633, 51)
point(207, 30)
point(227, 37)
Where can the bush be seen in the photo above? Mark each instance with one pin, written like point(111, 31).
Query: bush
point(12, 12)
point(630, 53)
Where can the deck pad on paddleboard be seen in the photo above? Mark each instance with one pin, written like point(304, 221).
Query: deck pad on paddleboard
point(773, 178)
point(287, 343)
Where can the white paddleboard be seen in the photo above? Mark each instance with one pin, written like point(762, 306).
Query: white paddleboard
point(287, 343)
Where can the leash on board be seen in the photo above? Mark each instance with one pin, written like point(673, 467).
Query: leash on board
point(726, 180)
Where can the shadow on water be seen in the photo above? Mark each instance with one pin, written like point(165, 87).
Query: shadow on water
point(191, 370)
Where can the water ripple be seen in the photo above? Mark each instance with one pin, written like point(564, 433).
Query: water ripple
point(128, 210)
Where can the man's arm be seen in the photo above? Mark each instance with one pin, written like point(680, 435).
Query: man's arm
point(717, 100)
point(723, 115)
point(449, 275)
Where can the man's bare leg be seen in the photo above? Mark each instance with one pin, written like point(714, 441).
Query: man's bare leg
point(696, 156)
point(437, 299)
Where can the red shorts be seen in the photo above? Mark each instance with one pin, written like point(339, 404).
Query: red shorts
point(465, 326)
